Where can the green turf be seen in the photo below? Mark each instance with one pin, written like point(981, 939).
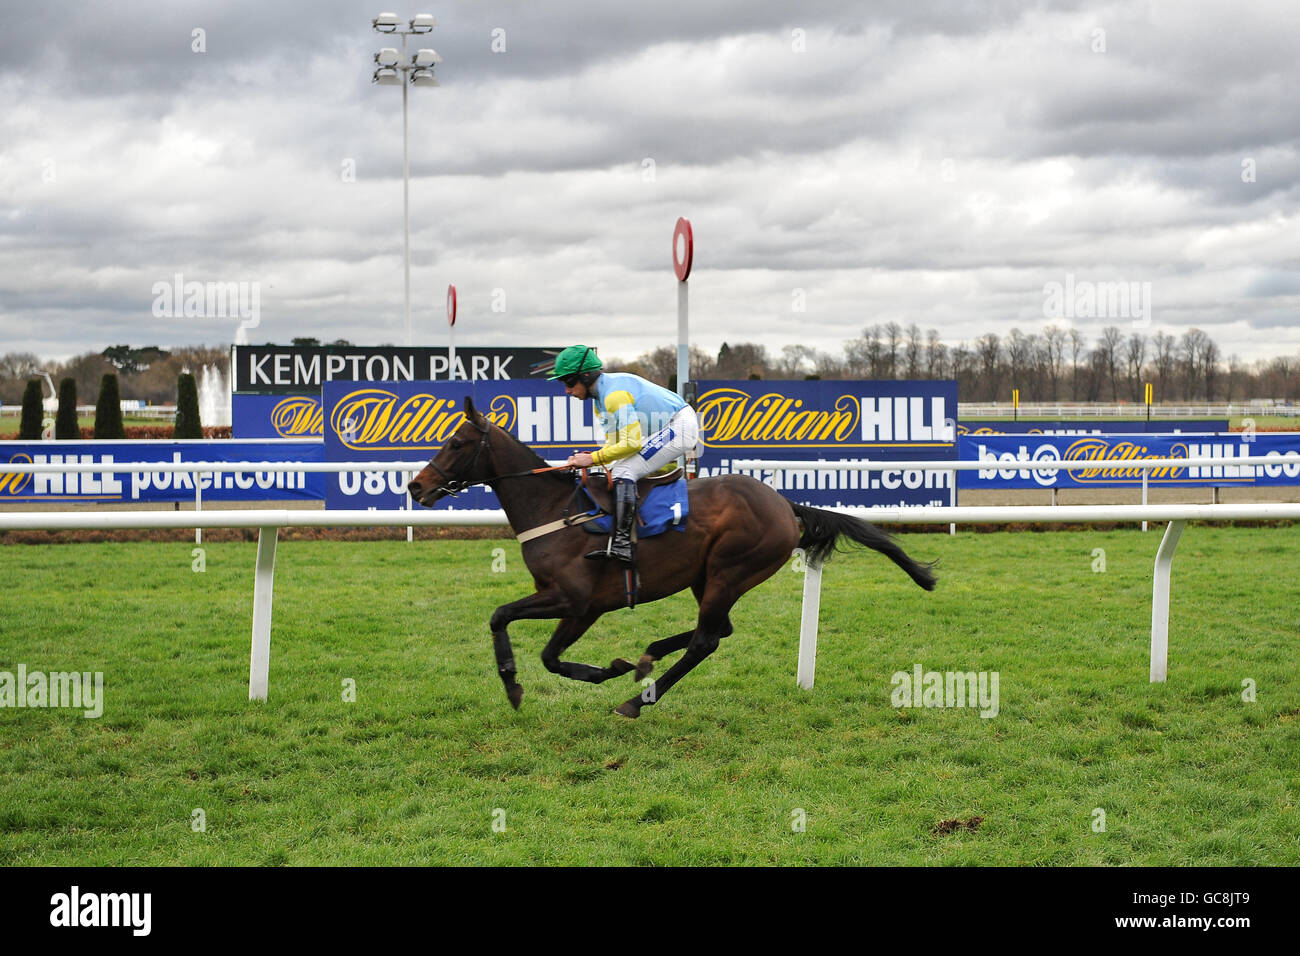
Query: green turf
point(430, 755)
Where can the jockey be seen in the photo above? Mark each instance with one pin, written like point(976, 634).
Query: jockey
point(646, 428)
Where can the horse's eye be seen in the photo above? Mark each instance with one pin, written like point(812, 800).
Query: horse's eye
point(456, 442)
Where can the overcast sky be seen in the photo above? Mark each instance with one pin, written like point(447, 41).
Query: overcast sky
point(842, 163)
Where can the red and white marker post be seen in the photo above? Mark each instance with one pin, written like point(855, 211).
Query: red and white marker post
point(451, 332)
point(683, 254)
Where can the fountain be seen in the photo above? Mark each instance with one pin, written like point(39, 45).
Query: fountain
point(214, 397)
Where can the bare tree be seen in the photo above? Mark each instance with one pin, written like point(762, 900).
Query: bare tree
point(1077, 342)
point(1209, 367)
point(1108, 349)
point(1165, 347)
point(989, 350)
point(829, 366)
point(795, 360)
point(15, 370)
point(1236, 372)
point(935, 355)
point(863, 353)
point(1134, 356)
point(1278, 377)
point(1054, 353)
point(1020, 350)
point(660, 365)
point(893, 335)
point(913, 351)
point(1190, 348)
point(961, 362)
point(742, 360)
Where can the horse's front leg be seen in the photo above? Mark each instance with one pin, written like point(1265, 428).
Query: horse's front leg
point(570, 629)
point(543, 604)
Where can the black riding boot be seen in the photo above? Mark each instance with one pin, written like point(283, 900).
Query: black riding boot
point(620, 542)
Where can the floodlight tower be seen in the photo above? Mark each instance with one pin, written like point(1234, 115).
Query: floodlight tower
point(393, 69)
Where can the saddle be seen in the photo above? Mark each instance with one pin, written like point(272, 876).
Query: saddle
point(602, 492)
point(602, 496)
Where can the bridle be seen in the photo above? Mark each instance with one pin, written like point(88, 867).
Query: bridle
point(452, 487)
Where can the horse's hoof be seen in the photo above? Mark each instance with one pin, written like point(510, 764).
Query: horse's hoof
point(516, 694)
point(644, 666)
point(620, 666)
point(628, 709)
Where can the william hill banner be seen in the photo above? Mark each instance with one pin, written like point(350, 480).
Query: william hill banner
point(1011, 460)
point(787, 421)
point(113, 487)
point(410, 421)
point(833, 422)
point(298, 417)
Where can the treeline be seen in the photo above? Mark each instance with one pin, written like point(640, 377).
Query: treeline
point(1056, 364)
point(147, 373)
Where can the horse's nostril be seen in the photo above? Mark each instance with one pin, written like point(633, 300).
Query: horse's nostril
point(414, 489)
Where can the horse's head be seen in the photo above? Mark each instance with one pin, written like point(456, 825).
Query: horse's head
point(461, 462)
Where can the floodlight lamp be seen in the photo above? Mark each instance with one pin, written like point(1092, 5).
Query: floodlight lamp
point(387, 57)
point(423, 23)
point(387, 76)
point(425, 58)
point(386, 22)
point(424, 78)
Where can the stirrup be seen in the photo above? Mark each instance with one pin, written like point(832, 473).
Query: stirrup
point(608, 553)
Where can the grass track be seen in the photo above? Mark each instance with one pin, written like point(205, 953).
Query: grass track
point(430, 754)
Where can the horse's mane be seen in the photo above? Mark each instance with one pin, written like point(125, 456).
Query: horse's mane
point(538, 460)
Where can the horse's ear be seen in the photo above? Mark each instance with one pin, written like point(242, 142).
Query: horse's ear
point(471, 412)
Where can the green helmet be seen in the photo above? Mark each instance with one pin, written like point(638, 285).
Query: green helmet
point(575, 360)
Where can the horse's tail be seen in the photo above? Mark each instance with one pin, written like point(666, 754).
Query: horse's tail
point(822, 529)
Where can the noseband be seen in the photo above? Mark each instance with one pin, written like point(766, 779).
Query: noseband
point(452, 486)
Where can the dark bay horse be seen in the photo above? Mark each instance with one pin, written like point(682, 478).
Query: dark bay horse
point(739, 533)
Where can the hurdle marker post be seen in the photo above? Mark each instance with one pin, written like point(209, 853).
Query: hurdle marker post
point(259, 668)
point(1160, 602)
point(812, 602)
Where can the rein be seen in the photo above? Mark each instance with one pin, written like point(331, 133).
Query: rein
point(454, 486)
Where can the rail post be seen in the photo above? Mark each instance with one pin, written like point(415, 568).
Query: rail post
point(259, 669)
point(812, 602)
point(1160, 602)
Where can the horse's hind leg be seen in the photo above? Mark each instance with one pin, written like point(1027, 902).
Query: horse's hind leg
point(713, 622)
point(570, 629)
point(662, 648)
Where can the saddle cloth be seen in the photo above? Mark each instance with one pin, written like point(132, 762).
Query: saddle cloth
point(664, 507)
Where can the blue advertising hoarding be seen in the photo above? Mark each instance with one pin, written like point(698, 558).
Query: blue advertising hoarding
point(127, 487)
point(1011, 459)
point(410, 421)
point(832, 422)
point(277, 416)
point(787, 421)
